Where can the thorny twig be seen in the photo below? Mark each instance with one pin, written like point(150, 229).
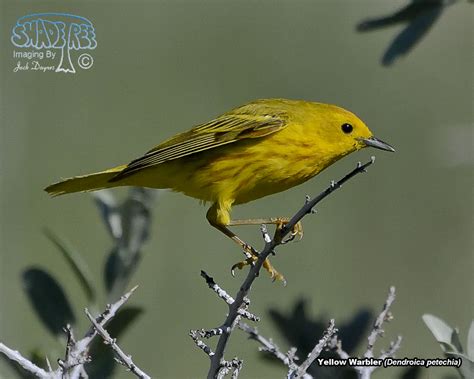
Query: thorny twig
point(76, 351)
point(365, 372)
point(270, 347)
point(29, 366)
point(235, 365)
point(81, 347)
point(330, 331)
point(122, 358)
point(217, 358)
point(295, 371)
point(69, 361)
point(377, 330)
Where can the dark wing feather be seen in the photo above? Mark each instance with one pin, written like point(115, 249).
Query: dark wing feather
point(223, 130)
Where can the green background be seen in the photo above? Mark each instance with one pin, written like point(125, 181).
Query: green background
point(161, 67)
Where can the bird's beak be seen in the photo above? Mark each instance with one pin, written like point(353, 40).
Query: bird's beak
point(378, 144)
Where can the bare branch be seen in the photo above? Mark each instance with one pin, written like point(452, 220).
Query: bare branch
point(78, 352)
point(216, 288)
point(194, 334)
point(270, 244)
point(270, 347)
point(29, 366)
point(234, 366)
point(69, 361)
point(330, 331)
point(336, 344)
point(110, 311)
point(311, 203)
point(123, 358)
point(377, 330)
point(365, 372)
point(288, 359)
point(394, 346)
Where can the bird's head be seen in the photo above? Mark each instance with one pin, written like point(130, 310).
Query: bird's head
point(345, 132)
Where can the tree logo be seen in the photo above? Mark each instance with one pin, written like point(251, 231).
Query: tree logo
point(47, 40)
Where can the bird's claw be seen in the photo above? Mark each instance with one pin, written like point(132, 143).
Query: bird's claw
point(296, 231)
point(252, 257)
point(240, 265)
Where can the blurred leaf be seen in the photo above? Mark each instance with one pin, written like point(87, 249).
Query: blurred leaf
point(117, 272)
point(38, 357)
point(441, 331)
point(303, 333)
point(467, 366)
point(420, 15)
point(48, 299)
point(134, 217)
point(113, 269)
point(78, 266)
point(108, 208)
point(103, 363)
point(19, 371)
point(120, 323)
point(470, 342)
point(411, 35)
point(413, 372)
point(353, 332)
point(455, 341)
point(448, 338)
point(407, 14)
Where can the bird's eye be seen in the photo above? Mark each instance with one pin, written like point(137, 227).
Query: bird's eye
point(347, 128)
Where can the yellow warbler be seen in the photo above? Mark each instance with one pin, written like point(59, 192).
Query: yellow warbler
point(255, 150)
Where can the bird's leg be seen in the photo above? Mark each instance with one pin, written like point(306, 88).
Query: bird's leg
point(250, 253)
point(218, 216)
point(214, 216)
point(280, 222)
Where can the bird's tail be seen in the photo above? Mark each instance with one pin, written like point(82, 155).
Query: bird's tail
point(91, 182)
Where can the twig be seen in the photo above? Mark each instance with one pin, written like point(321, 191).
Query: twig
point(110, 312)
point(228, 299)
point(394, 346)
point(336, 344)
point(234, 366)
point(270, 244)
point(123, 358)
point(377, 330)
point(216, 288)
point(270, 347)
point(69, 361)
point(194, 334)
point(365, 372)
point(76, 353)
point(29, 366)
point(129, 225)
point(311, 203)
point(330, 331)
point(80, 350)
point(294, 370)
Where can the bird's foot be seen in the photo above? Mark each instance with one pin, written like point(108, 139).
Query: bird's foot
point(252, 257)
point(296, 231)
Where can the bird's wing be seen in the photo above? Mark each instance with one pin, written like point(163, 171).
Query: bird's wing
point(226, 129)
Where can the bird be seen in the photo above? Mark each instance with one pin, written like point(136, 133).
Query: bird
point(258, 149)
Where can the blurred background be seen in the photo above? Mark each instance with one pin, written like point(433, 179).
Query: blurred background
point(161, 67)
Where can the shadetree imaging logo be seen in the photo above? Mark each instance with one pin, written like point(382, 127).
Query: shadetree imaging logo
point(47, 40)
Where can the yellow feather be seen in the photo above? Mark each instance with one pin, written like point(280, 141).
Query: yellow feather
point(255, 150)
